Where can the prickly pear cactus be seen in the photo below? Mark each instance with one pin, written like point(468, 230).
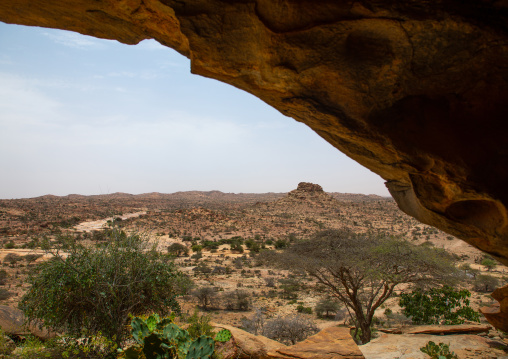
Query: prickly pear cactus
point(223, 336)
point(201, 348)
point(152, 321)
point(162, 339)
point(152, 347)
point(130, 353)
point(139, 330)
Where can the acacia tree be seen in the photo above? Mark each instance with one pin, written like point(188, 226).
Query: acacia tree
point(362, 270)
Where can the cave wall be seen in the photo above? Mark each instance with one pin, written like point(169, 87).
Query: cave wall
point(414, 90)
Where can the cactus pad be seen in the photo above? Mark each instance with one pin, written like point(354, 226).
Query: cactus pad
point(201, 348)
point(223, 336)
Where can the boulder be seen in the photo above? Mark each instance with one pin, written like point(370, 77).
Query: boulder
point(13, 322)
point(497, 315)
point(330, 343)
point(247, 345)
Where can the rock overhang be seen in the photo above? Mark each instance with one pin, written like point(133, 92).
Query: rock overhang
point(415, 90)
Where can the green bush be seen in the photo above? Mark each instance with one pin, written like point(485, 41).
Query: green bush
point(178, 249)
point(438, 306)
point(303, 309)
point(199, 325)
point(94, 289)
point(197, 248)
point(489, 262)
point(280, 244)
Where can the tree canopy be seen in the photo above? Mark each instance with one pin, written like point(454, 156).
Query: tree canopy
point(362, 270)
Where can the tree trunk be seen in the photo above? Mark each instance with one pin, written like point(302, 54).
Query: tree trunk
point(366, 333)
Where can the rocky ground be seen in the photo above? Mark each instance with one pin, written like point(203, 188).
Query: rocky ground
point(266, 219)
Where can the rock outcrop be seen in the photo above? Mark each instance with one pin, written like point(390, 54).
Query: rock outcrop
point(448, 329)
point(414, 90)
point(330, 343)
point(246, 345)
point(407, 346)
point(497, 315)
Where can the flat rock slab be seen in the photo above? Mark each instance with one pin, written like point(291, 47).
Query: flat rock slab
point(449, 329)
point(407, 346)
point(330, 343)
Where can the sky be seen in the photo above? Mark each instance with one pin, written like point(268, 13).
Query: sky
point(91, 116)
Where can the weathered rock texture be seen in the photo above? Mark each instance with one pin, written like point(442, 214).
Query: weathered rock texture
point(498, 314)
point(330, 343)
point(246, 345)
point(414, 90)
point(407, 346)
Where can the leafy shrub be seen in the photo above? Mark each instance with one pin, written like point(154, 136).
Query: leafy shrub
point(488, 262)
point(197, 248)
point(441, 351)
point(438, 306)
point(280, 244)
point(237, 247)
point(94, 289)
point(199, 325)
point(9, 245)
point(178, 249)
point(302, 309)
point(290, 288)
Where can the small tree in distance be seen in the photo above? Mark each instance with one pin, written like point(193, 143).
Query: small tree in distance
point(362, 270)
point(327, 307)
point(205, 296)
point(178, 249)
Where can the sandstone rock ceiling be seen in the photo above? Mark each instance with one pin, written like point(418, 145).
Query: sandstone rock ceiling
point(414, 90)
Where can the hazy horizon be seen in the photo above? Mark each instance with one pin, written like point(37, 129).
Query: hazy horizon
point(211, 190)
point(90, 116)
